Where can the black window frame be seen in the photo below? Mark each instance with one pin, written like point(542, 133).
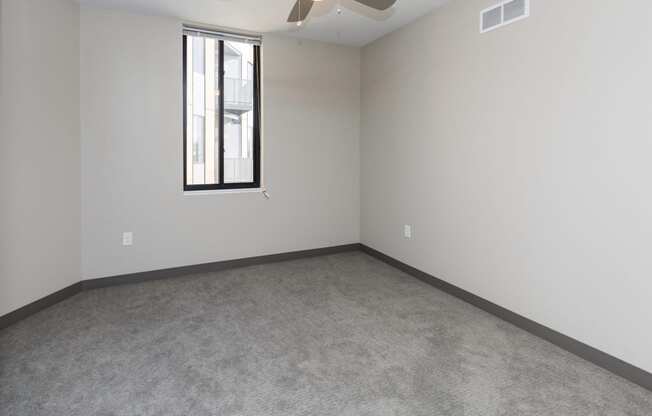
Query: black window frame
point(256, 183)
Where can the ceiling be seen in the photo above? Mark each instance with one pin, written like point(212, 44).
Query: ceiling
point(357, 25)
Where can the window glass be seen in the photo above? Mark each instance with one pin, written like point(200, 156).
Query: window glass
point(238, 111)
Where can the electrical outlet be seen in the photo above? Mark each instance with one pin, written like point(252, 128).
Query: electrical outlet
point(127, 239)
point(407, 231)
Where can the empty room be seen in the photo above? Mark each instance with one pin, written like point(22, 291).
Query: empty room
point(325, 207)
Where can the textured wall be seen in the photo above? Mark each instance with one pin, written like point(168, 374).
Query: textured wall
point(39, 150)
point(132, 152)
point(522, 159)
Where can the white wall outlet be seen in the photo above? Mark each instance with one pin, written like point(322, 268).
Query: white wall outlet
point(407, 231)
point(128, 239)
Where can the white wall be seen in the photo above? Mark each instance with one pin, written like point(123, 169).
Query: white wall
point(39, 150)
point(522, 159)
point(132, 152)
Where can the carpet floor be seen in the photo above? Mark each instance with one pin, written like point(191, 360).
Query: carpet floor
point(336, 335)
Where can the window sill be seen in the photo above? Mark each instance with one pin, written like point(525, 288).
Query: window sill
point(225, 191)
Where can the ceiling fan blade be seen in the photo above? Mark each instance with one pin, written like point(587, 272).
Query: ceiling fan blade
point(377, 4)
point(300, 11)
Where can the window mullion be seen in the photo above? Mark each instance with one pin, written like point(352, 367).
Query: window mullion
point(221, 112)
point(256, 114)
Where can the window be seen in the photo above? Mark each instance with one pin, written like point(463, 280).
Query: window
point(221, 111)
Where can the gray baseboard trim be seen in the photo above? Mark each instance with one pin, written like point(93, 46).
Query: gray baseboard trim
point(600, 358)
point(36, 306)
point(212, 267)
point(43, 303)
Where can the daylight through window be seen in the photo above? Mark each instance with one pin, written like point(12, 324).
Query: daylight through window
point(221, 111)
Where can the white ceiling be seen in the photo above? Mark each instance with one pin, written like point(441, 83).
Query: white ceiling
point(357, 25)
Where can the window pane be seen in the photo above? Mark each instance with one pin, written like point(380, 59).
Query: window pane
point(202, 129)
point(198, 149)
point(238, 112)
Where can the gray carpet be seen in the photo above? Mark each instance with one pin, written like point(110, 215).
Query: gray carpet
point(336, 335)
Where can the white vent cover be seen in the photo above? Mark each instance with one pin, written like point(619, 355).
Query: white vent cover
point(503, 14)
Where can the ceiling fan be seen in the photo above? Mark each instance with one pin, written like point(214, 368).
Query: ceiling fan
point(302, 8)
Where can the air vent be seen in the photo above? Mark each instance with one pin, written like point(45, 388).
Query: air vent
point(492, 18)
point(503, 14)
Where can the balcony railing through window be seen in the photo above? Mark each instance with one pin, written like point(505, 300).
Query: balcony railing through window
point(238, 94)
